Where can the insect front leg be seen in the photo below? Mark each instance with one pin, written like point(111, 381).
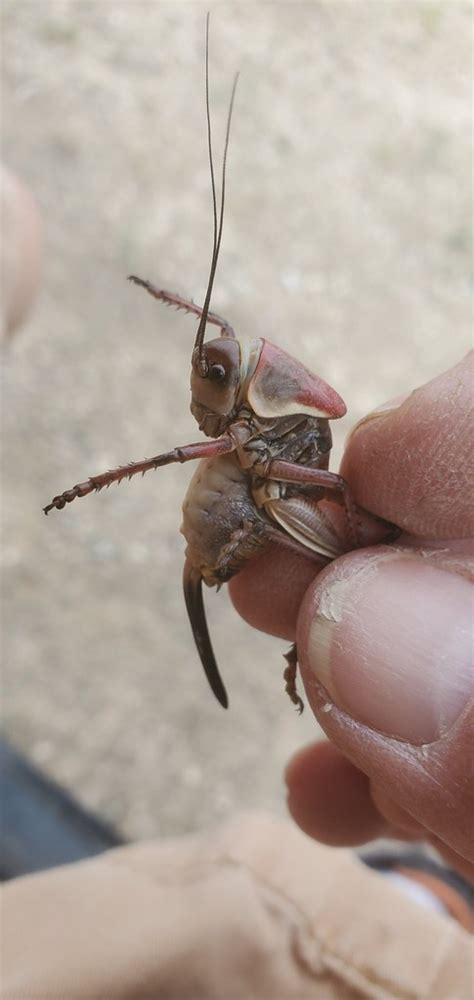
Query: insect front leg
point(202, 449)
point(171, 299)
point(290, 472)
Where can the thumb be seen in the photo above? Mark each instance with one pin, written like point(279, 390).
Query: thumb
point(384, 641)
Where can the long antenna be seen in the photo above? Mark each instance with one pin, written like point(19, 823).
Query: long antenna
point(209, 141)
point(217, 231)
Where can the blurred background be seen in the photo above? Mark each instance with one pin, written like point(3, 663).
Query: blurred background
point(347, 242)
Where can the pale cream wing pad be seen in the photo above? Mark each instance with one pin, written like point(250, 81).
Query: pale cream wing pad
point(317, 525)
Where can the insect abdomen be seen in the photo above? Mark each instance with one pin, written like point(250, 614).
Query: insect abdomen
point(221, 524)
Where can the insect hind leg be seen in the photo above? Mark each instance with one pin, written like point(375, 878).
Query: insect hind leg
point(289, 676)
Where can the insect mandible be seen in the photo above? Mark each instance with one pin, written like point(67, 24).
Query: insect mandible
point(263, 476)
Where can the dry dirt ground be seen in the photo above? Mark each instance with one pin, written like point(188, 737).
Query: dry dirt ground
point(346, 242)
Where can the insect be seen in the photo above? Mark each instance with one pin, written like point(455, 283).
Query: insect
point(263, 472)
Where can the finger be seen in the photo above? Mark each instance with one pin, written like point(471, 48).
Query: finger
point(268, 592)
point(20, 260)
point(335, 803)
point(396, 817)
point(413, 464)
point(330, 799)
point(454, 860)
point(385, 644)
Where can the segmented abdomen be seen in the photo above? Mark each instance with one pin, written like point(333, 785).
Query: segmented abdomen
point(221, 524)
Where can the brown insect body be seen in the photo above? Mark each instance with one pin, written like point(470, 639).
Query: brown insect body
point(263, 476)
point(230, 500)
point(273, 486)
point(262, 480)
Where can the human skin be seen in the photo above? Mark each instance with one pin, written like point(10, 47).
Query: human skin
point(400, 757)
point(384, 635)
point(20, 251)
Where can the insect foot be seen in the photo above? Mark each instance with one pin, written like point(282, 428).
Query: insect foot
point(289, 676)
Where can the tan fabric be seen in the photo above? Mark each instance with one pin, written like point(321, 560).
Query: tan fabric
point(254, 910)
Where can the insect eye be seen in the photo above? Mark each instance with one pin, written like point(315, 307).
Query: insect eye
point(216, 373)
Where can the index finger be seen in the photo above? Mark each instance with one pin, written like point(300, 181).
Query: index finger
point(413, 464)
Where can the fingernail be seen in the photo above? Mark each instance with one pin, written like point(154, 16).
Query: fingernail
point(380, 411)
point(391, 642)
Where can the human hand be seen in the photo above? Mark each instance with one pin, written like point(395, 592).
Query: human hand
point(384, 636)
point(20, 251)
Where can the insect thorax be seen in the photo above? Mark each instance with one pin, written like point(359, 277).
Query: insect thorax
point(298, 438)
